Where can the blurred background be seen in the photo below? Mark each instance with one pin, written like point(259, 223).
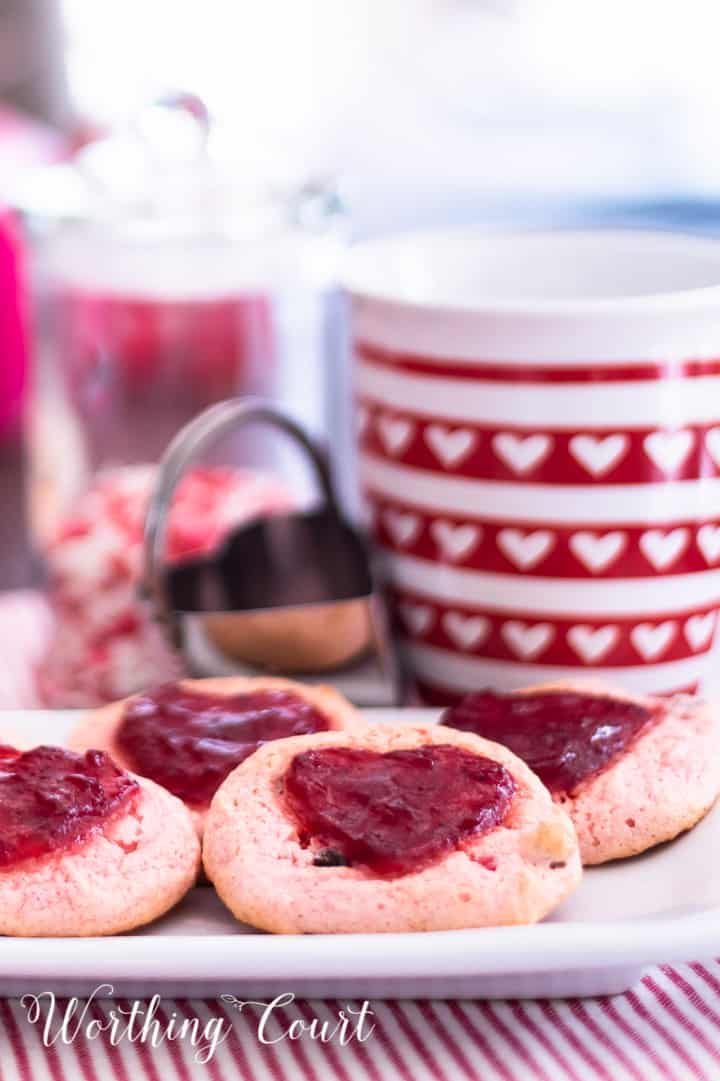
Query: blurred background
point(427, 109)
point(178, 181)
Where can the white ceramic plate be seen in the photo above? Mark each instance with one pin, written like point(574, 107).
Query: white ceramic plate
point(660, 907)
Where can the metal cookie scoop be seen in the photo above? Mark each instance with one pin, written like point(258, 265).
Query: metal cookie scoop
point(292, 593)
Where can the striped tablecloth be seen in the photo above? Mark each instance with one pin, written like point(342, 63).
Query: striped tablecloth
point(665, 1029)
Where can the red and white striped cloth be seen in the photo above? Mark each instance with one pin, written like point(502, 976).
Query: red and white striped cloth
point(666, 1029)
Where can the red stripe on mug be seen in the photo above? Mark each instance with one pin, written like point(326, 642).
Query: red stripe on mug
point(543, 455)
point(575, 372)
point(545, 549)
point(574, 643)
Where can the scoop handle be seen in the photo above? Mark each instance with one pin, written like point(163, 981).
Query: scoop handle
point(199, 434)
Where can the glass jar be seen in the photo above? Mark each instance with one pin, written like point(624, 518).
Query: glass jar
point(170, 286)
point(175, 286)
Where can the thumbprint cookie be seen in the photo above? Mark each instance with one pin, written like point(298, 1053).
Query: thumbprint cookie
point(631, 771)
point(394, 828)
point(85, 847)
point(188, 736)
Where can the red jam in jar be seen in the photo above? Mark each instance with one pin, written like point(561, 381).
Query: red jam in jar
point(188, 741)
point(563, 736)
point(394, 813)
point(52, 799)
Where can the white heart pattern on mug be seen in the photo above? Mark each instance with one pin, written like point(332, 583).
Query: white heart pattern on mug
point(525, 550)
point(449, 445)
point(668, 450)
point(699, 629)
point(592, 643)
point(708, 539)
point(522, 453)
point(664, 549)
point(403, 526)
point(417, 617)
point(652, 640)
point(712, 442)
point(395, 433)
point(465, 631)
point(595, 551)
point(455, 541)
point(598, 454)
point(527, 640)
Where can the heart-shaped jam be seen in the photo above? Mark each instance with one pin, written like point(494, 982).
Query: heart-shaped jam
point(189, 741)
point(564, 736)
point(396, 812)
point(51, 798)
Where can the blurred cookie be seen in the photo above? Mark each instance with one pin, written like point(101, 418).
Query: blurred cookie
point(86, 848)
point(188, 736)
point(395, 828)
point(631, 771)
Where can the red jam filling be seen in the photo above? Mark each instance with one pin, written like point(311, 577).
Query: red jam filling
point(564, 736)
point(51, 799)
point(393, 813)
point(189, 741)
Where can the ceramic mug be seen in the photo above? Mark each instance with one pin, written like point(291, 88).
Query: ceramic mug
point(539, 450)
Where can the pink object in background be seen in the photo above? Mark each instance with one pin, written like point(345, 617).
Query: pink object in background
point(212, 348)
point(539, 421)
point(24, 143)
point(103, 644)
point(13, 329)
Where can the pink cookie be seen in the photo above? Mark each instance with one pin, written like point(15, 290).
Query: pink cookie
point(188, 736)
point(424, 829)
point(656, 761)
point(663, 785)
point(70, 867)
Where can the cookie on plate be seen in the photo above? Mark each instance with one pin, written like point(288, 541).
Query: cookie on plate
point(631, 771)
point(188, 736)
point(86, 848)
point(395, 828)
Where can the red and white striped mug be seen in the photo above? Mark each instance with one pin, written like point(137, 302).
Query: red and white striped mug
point(539, 449)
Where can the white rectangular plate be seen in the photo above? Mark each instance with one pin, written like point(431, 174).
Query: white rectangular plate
point(660, 907)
